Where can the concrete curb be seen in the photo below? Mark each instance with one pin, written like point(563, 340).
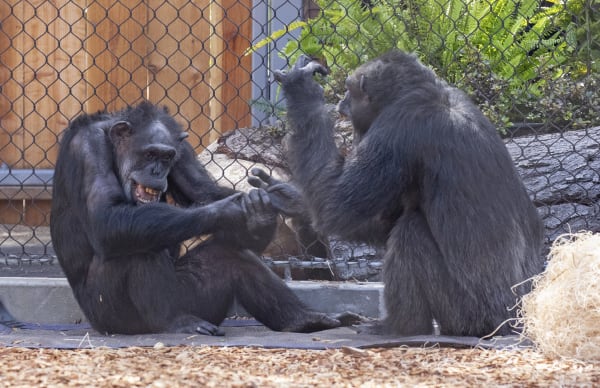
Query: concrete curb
point(50, 300)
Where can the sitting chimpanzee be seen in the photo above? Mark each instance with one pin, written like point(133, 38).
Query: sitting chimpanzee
point(429, 179)
point(118, 240)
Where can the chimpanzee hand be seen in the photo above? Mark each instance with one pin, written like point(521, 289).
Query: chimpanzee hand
point(229, 211)
point(284, 197)
point(261, 216)
point(299, 83)
point(245, 220)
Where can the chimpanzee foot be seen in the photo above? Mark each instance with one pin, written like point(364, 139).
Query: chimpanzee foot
point(348, 318)
point(312, 322)
point(319, 321)
point(207, 328)
point(194, 325)
point(374, 327)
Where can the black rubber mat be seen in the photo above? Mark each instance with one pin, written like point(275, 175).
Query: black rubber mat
point(58, 337)
point(238, 332)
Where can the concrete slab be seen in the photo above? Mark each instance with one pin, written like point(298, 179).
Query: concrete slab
point(51, 301)
point(55, 321)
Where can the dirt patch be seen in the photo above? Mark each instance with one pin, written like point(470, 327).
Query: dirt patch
point(241, 367)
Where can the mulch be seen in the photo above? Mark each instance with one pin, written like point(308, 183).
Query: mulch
point(194, 366)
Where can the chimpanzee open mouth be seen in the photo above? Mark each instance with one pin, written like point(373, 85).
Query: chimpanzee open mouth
point(143, 194)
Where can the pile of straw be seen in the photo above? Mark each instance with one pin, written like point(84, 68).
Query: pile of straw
point(562, 313)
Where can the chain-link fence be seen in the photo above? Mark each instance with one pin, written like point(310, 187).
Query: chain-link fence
point(532, 66)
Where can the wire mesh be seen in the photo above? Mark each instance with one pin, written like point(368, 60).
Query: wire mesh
point(532, 66)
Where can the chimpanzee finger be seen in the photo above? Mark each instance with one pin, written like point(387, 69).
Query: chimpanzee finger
point(227, 202)
point(259, 181)
point(284, 191)
point(279, 76)
point(348, 318)
point(231, 198)
point(207, 328)
point(302, 61)
point(256, 182)
point(264, 176)
point(315, 67)
point(265, 198)
point(252, 202)
point(259, 200)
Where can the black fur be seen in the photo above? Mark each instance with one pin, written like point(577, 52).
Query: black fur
point(430, 180)
point(121, 256)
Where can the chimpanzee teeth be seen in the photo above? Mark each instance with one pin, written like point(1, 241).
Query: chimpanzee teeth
point(145, 200)
point(151, 191)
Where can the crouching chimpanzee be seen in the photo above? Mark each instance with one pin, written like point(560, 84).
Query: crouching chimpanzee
point(118, 240)
point(430, 179)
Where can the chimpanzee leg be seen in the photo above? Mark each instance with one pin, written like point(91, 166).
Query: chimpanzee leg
point(420, 285)
point(205, 275)
point(158, 294)
point(407, 305)
point(214, 274)
point(266, 296)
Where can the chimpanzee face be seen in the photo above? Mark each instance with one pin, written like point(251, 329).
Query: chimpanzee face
point(357, 104)
point(144, 158)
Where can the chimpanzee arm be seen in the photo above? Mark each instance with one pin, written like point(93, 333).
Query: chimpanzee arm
point(338, 190)
point(120, 228)
point(116, 227)
point(261, 222)
point(190, 183)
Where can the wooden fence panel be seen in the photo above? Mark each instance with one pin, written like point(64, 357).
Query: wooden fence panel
point(61, 58)
point(179, 34)
point(11, 61)
point(232, 75)
point(116, 45)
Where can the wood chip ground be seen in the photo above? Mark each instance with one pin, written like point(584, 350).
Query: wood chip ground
point(258, 367)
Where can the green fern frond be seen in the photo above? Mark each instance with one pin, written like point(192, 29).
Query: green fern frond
point(274, 36)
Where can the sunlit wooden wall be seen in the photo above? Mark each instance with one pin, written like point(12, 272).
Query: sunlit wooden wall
point(61, 58)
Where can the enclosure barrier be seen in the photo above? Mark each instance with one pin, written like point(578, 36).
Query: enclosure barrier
point(532, 67)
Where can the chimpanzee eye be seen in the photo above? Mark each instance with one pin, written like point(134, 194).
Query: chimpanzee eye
point(168, 156)
point(150, 155)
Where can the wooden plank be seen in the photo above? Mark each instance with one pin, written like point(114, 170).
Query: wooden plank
point(12, 39)
point(216, 73)
point(70, 90)
point(39, 79)
point(38, 76)
point(116, 45)
point(235, 87)
point(37, 212)
point(178, 63)
point(17, 193)
point(25, 212)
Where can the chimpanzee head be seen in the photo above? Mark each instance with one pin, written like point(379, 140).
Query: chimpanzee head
point(146, 142)
point(377, 84)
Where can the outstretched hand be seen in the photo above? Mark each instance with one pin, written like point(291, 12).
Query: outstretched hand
point(229, 211)
point(261, 216)
point(305, 67)
point(299, 81)
point(246, 220)
point(284, 197)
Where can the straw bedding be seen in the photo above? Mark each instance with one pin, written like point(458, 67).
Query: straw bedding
point(562, 313)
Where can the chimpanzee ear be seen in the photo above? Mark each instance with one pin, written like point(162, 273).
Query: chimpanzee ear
point(362, 83)
point(119, 131)
point(182, 136)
